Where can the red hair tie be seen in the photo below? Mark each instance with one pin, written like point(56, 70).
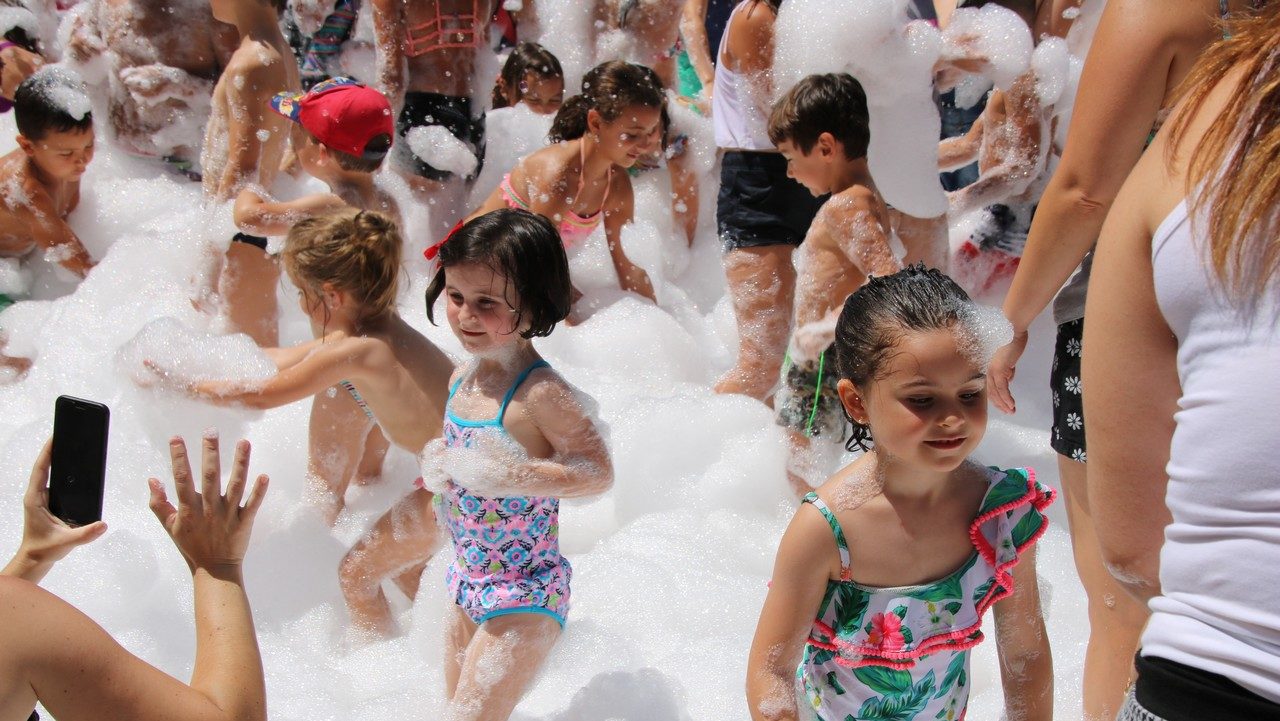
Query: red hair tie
point(432, 251)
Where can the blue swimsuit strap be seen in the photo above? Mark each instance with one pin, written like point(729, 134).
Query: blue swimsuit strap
point(506, 400)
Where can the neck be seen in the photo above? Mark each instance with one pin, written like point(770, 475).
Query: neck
point(507, 360)
point(902, 482)
point(595, 166)
point(355, 189)
point(850, 173)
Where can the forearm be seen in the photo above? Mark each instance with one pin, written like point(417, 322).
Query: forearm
point(62, 246)
point(567, 478)
point(1064, 230)
point(996, 185)
point(25, 566)
point(632, 277)
point(228, 666)
point(1028, 684)
point(771, 694)
point(693, 28)
point(955, 153)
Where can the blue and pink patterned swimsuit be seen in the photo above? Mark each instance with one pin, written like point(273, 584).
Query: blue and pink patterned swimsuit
point(506, 550)
point(903, 653)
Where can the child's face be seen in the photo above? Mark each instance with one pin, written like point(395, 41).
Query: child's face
point(809, 169)
point(63, 156)
point(481, 308)
point(634, 134)
point(543, 95)
point(928, 405)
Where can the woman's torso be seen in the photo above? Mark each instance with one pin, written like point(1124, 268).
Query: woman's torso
point(739, 122)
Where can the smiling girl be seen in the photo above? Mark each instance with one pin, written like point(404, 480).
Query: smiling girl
point(575, 182)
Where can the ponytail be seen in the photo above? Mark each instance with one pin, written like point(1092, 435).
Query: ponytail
point(609, 89)
point(570, 122)
point(358, 252)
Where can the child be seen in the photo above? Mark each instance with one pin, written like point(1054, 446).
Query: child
point(347, 268)
point(516, 439)
point(925, 541)
point(40, 181)
point(244, 143)
point(341, 134)
point(821, 126)
point(611, 124)
point(20, 52)
point(760, 215)
point(532, 76)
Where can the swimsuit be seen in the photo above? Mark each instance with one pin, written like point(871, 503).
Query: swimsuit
point(317, 55)
point(355, 394)
point(574, 228)
point(506, 550)
point(903, 653)
point(451, 30)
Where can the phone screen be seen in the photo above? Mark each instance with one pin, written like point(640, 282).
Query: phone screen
point(79, 469)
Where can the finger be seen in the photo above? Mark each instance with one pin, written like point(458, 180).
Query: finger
point(160, 504)
point(85, 534)
point(239, 475)
point(39, 482)
point(210, 471)
point(184, 488)
point(252, 505)
point(1004, 397)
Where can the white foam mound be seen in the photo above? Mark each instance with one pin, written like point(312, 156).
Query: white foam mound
point(64, 89)
point(437, 147)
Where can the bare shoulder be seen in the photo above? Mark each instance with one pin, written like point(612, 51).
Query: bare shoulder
point(546, 388)
point(256, 68)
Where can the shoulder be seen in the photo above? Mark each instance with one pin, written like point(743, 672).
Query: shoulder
point(252, 64)
point(547, 389)
point(808, 537)
point(848, 205)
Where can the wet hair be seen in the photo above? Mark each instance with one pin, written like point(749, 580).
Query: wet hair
point(527, 57)
point(833, 103)
point(525, 249)
point(375, 152)
point(37, 110)
point(609, 89)
point(877, 315)
point(356, 251)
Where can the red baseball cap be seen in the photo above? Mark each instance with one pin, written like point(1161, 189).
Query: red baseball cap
point(342, 113)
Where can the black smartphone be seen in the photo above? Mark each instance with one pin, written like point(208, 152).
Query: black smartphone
point(79, 470)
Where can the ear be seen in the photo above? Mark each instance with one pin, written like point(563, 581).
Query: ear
point(853, 401)
point(332, 296)
point(594, 121)
point(27, 146)
point(826, 145)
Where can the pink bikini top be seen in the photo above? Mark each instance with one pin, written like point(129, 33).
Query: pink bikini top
point(574, 228)
point(447, 30)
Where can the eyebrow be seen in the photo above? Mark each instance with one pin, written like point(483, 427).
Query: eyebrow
point(920, 381)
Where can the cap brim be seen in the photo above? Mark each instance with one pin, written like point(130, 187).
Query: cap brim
point(287, 104)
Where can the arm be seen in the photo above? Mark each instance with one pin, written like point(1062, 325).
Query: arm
point(630, 276)
point(750, 46)
point(256, 213)
point(955, 153)
point(1018, 164)
point(1026, 666)
point(51, 232)
point(579, 464)
point(247, 94)
point(45, 539)
point(1131, 389)
point(80, 673)
point(156, 83)
point(1124, 83)
point(389, 60)
point(693, 28)
point(799, 580)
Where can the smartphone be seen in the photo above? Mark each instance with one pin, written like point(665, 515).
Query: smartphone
point(79, 470)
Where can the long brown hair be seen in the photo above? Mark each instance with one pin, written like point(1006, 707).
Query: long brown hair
point(1239, 157)
point(609, 89)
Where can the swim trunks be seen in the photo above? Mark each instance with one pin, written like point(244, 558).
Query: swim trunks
point(256, 241)
point(808, 401)
point(447, 111)
point(506, 550)
point(758, 205)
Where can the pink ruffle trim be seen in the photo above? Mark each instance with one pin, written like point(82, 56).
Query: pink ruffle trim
point(961, 639)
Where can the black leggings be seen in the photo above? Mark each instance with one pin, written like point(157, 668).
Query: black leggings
point(1175, 692)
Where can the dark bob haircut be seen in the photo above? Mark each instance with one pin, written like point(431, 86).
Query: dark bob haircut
point(877, 315)
point(524, 248)
point(39, 104)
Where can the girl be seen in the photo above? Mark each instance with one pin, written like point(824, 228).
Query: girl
point(516, 439)
point(615, 120)
point(347, 268)
point(885, 572)
point(532, 76)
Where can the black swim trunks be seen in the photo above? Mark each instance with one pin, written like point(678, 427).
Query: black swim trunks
point(1064, 381)
point(256, 241)
point(808, 401)
point(449, 112)
point(759, 205)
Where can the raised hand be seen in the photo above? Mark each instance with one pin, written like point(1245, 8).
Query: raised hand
point(210, 528)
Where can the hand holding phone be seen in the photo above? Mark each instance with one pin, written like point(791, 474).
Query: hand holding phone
point(45, 538)
point(79, 467)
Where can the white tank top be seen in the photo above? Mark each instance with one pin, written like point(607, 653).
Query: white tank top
point(738, 122)
point(1220, 563)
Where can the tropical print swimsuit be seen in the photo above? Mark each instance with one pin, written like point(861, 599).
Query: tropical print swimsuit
point(506, 550)
point(903, 653)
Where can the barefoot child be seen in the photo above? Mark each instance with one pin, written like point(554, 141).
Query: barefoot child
point(517, 438)
point(40, 181)
point(347, 267)
point(244, 143)
point(821, 127)
point(531, 75)
point(578, 182)
point(885, 573)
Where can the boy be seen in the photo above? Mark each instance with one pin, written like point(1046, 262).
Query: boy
point(341, 135)
point(40, 181)
point(821, 126)
point(243, 144)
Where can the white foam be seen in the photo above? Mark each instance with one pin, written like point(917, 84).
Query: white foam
point(18, 17)
point(64, 89)
point(437, 147)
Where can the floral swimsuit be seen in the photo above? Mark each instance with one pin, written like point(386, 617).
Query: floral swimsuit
point(903, 653)
point(507, 550)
